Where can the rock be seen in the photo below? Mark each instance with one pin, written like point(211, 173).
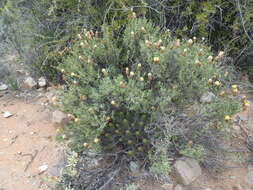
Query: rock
point(42, 82)
point(134, 166)
point(43, 168)
point(249, 177)
point(179, 187)
point(7, 114)
point(30, 83)
point(186, 170)
point(207, 97)
point(167, 186)
point(59, 118)
point(237, 187)
point(3, 87)
point(232, 177)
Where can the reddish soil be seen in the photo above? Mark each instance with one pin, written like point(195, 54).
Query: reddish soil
point(26, 143)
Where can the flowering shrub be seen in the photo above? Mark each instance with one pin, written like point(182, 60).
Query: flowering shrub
point(117, 86)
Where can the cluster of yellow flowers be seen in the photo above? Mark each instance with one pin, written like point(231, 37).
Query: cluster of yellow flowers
point(234, 89)
point(215, 83)
point(245, 103)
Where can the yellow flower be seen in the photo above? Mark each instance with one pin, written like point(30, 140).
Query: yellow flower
point(58, 130)
point(149, 76)
point(246, 103)
point(131, 74)
point(156, 59)
point(210, 81)
point(113, 102)
point(77, 120)
point(222, 93)
point(85, 145)
point(227, 118)
point(234, 86)
point(235, 90)
point(217, 83)
point(141, 79)
point(96, 140)
point(190, 42)
point(210, 59)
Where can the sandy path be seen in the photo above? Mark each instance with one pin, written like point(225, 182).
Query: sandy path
point(27, 133)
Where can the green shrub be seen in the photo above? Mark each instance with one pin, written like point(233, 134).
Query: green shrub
point(115, 87)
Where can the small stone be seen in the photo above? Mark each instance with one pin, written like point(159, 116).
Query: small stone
point(7, 114)
point(179, 187)
point(134, 166)
point(42, 82)
point(58, 117)
point(237, 187)
point(232, 177)
point(207, 97)
point(3, 87)
point(249, 178)
point(42, 168)
point(30, 83)
point(167, 186)
point(187, 170)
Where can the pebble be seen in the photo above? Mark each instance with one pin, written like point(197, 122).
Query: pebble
point(7, 114)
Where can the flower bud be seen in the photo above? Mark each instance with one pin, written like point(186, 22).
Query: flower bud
point(81, 58)
point(77, 120)
point(113, 103)
point(122, 84)
point(149, 76)
point(86, 145)
point(222, 93)
point(234, 86)
point(105, 72)
point(79, 36)
point(132, 34)
point(139, 67)
point(96, 140)
point(210, 81)
point(148, 43)
point(127, 71)
point(156, 59)
point(143, 30)
point(190, 42)
point(217, 83)
point(227, 118)
point(95, 47)
point(210, 59)
point(201, 52)
point(162, 48)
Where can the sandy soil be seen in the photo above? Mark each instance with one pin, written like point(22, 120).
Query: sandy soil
point(26, 143)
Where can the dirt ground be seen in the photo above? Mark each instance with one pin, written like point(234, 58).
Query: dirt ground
point(26, 143)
